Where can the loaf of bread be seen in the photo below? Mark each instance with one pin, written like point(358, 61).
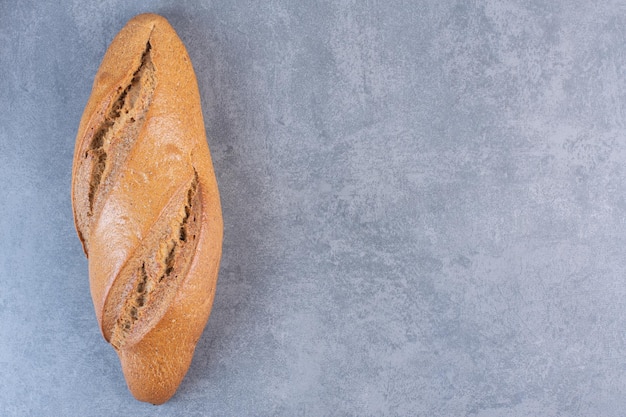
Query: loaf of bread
point(146, 206)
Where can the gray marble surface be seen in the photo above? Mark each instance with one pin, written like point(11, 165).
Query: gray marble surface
point(424, 205)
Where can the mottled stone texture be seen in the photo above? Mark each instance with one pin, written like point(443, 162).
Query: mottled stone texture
point(424, 206)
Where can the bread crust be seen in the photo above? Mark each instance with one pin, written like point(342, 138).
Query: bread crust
point(146, 206)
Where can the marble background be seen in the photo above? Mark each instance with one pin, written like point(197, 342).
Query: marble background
point(424, 206)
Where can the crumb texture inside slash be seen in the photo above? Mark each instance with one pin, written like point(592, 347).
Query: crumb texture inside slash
point(112, 141)
point(160, 268)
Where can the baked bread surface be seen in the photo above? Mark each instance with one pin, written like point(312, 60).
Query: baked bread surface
point(146, 206)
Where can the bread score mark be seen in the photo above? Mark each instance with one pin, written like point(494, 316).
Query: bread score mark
point(155, 280)
point(114, 137)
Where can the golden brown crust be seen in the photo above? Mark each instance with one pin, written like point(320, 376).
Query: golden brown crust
point(146, 206)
